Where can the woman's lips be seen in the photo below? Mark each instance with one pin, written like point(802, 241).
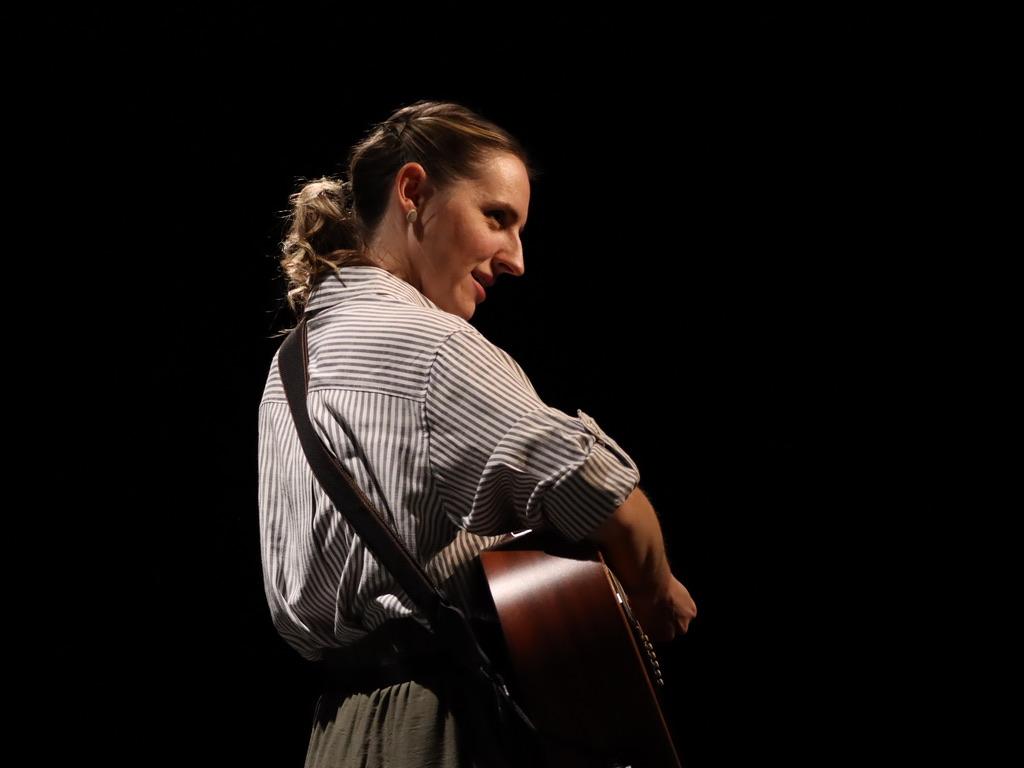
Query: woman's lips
point(481, 294)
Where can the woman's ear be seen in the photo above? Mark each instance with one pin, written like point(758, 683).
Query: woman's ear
point(412, 184)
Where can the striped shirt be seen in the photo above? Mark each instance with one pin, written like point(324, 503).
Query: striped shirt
point(462, 451)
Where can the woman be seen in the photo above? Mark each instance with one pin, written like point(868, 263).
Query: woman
point(438, 427)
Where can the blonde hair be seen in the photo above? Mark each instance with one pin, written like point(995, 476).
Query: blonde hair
point(331, 222)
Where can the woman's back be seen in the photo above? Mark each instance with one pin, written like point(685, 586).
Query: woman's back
point(372, 339)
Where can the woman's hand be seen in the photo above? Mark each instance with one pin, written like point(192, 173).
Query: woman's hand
point(664, 612)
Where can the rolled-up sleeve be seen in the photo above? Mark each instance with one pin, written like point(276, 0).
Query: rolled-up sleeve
point(502, 459)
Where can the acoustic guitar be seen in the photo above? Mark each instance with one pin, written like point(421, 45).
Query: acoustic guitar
point(575, 656)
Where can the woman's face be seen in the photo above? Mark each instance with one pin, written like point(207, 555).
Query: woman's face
point(471, 234)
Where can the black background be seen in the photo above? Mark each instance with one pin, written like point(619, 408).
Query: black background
point(736, 261)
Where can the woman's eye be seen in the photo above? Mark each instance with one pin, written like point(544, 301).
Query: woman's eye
point(499, 215)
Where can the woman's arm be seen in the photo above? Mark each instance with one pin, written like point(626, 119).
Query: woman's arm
point(633, 545)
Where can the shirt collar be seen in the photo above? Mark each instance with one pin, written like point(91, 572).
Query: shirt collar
point(363, 280)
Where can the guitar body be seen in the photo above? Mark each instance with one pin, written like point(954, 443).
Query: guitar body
point(580, 667)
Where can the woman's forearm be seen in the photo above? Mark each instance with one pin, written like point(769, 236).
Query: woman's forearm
point(633, 545)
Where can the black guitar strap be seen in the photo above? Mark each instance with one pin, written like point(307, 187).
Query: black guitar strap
point(446, 620)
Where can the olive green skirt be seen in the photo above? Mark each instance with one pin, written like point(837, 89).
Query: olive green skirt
point(422, 723)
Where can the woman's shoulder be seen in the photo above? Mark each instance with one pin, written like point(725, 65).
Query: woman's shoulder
point(388, 320)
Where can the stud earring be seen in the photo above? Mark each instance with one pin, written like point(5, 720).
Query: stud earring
point(411, 216)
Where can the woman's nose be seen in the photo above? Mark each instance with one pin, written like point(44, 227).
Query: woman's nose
point(512, 261)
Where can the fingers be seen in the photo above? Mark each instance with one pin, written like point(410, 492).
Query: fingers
point(687, 616)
